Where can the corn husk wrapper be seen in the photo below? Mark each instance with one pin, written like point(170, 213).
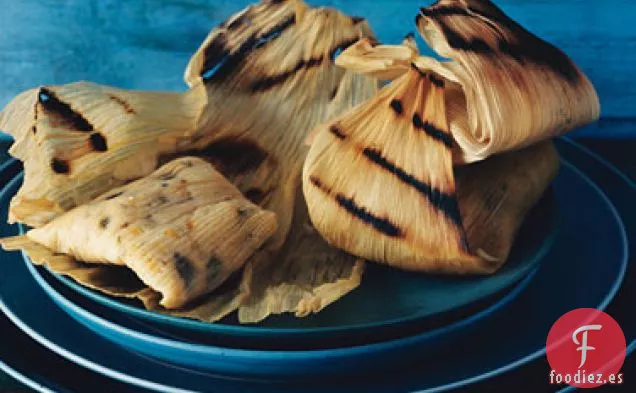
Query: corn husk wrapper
point(259, 83)
point(270, 79)
point(183, 231)
point(495, 195)
point(255, 136)
point(467, 229)
point(506, 88)
point(499, 191)
point(282, 87)
point(306, 276)
point(80, 140)
point(515, 89)
point(121, 282)
point(379, 180)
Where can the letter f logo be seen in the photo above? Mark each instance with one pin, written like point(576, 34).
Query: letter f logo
point(584, 348)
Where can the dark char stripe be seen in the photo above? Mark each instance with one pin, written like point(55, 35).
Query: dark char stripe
point(380, 224)
point(334, 93)
point(416, 68)
point(315, 180)
point(113, 196)
point(435, 11)
point(271, 81)
point(434, 79)
point(59, 166)
point(432, 131)
point(456, 41)
point(397, 106)
point(98, 142)
point(337, 132)
point(103, 223)
point(213, 268)
point(120, 101)
point(35, 120)
point(213, 55)
point(230, 156)
point(357, 19)
point(55, 107)
point(445, 202)
point(185, 268)
point(219, 63)
point(494, 13)
point(373, 41)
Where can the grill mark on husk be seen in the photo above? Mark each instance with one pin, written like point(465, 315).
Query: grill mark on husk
point(61, 113)
point(380, 224)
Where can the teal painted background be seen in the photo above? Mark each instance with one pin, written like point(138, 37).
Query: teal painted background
point(145, 44)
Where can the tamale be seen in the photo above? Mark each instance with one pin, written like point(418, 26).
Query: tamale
point(270, 78)
point(380, 180)
point(82, 139)
point(183, 230)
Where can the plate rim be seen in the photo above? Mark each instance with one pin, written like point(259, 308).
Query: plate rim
point(88, 364)
point(267, 332)
point(606, 301)
point(73, 357)
point(500, 370)
point(235, 353)
point(19, 376)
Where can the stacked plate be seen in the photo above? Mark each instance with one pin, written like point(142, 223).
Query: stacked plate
point(397, 332)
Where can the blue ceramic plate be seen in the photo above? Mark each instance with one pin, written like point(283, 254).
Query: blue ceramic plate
point(8, 169)
point(36, 315)
point(388, 304)
point(41, 370)
point(4, 137)
point(557, 288)
point(45, 372)
point(228, 361)
point(259, 363)
point(438, 326)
